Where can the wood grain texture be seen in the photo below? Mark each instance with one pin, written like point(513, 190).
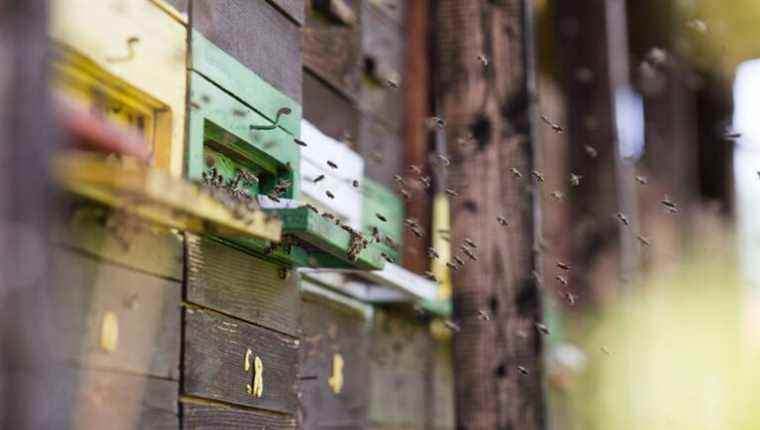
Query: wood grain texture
point(382, 148)
point(333, 51)
point(257, 35)
point(383, 51)
point(331, 113)
point(118, 401)
point(214, 350)
point(294, 9)
point(128, 241)
point(330, 329)
point(397, 372)
point(238, 284)
point(199, 416)
point(146, 308)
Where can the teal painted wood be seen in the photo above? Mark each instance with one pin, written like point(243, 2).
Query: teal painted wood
point(329, 238)
point(380, 200)
point(225, 71)
point(215, 116)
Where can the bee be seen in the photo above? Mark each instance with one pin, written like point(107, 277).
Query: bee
point(131, 42)
point(381, 217)
point(430, 275)
point(273, 197)
point(470, 254)
point(538, 175)
point(312, 208)
point(605, 350)
point(670, 205)
point(435, 122)
point(563, 266)
point(195, 105)
point(643, 239)
point(483, 60)
point(399, 180)
point(470, 243)
point(591, 151)
point(248, 177)
point(328, 215)
point(331, 164)
point(459, 260)
point(376, 157)
point(697, 25)
point(523, 370)
point(521, 334)
point(562, 280)
point(390, 242)
point(537, 277)
point(502, 221)
point(425, 181)
point(575, 180)
point(355, 183)
point(732, 135)
point(329, 194)
point(657, 56)
point(443, 159)
point(452, 266)
point(517, 174)
point(299, 142)
point(641, 180)
point(417, 232)
point(624, 219)
point(542, 329)
point(451, 192)
point(405, 193)
point(386, 257)
point(451, 325)
point(558, 195)
point(570, 298)
point(432, 253)
point(205, 98)
point(415, 169)
point(391, 83)
point(411, 222)
point(483, 315)
point(375, 234)
point(318, 178)
point(554, 126)
point(239, 112)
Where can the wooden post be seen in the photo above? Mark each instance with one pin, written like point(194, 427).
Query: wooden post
point(35, 387)
point(497, 361)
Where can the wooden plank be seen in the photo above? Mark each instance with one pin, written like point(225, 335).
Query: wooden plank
point(332, 331)
point(241, 285)
point(200, 416)
point(144, 309)
point(383, 57)
point(215, 348)
point(382, 148)
point(257, 35)
point(294, 9)
point(127, 241)
point(332, 50)
point(441, 392)
point(118, 401)
point(397, 371)
point(331, 113)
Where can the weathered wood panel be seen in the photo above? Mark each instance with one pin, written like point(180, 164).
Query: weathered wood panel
point(330, 330)
point(143, 313)
point(332, 50)
point(382, 148)
point(392, 9)
point(116, 401)
point(294, 9)
point(383, 55)
point(200, 416)
point(398, 372)
point(122, 239)
point(441, 392)
point(214, 356)
point(257, 35)
point(239, 284)
point(333, 115)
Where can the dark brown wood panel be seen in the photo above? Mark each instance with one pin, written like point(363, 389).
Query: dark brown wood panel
point(332, 50)
point(382, 47)
point(121, 239)
point(295, 9)
point(215, 350)
point(257, 35)
point(241, 285)
point(333, 114)
point(119, 401)
point(141, 311)
point(329, 329)
point(200, 416)
point(382, 150)
point(398, 372)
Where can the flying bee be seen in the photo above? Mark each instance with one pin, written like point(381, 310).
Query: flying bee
point(451, 325)
point(425, 180)
point(430, 275)
point(538, 175)
point(562, 280)
point(624, 219)
point(554, 126)
point(559, 195)
point(483, 60)
point(443, 159)
point(318, 178)
point(273, 197)
point(391, 83)
point(399, 180)
point(405, 193)
point(502, 221)
point(328, 215)
point(470, 254)
point(641, 180)
point(312, 208)
point(732, 135)
point(697, 25)
point(435, 122)
point(591, 151)
point(299, 142)
point(376, 234)
point(542, 329)
point(432, 253)
point(451, 192)
point(570, 298)
point(575, 180)
point(417, 232)
point(470, 243)
point(605, 350)
point(643, 239)
point(381, 217)
point(517, 174)
point(523, 370)
point(563, 266)
point(483, 315)
point(355, 183)
point(205, 98)
point(194, 105)
point(239, 112)
point(387, 258)
point(376, 157)
point(411, 222)
point(329, 194)
point(331, 164)
point(459, 260)
point(670, 205)
point(390, 242)
point(452, 266)
point(415, 169)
